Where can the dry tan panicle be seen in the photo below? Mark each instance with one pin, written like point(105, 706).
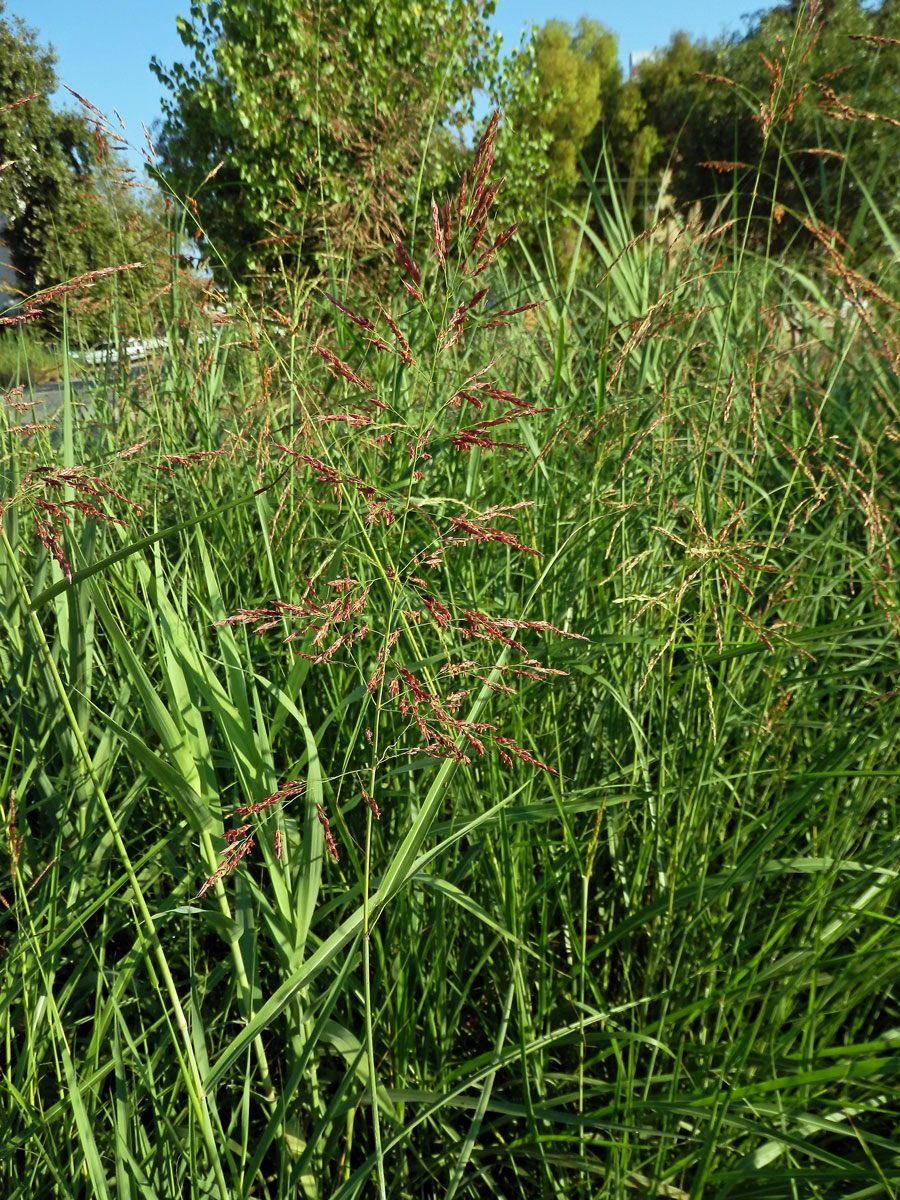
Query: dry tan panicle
point(440, 242)
point(722, 167)
point(22, 100)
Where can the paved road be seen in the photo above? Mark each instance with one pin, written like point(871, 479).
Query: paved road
point(50, 396)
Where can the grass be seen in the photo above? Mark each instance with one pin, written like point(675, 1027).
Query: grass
point(647, 945)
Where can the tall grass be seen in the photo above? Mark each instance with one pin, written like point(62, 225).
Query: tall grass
point(626, 930)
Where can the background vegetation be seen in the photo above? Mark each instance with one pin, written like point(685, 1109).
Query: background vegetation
point(450, 701)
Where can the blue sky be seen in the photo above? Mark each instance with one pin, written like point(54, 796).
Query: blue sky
point(104, 52)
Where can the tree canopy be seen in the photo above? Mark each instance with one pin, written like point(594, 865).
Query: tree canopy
point(68, 212)
point(299, 132)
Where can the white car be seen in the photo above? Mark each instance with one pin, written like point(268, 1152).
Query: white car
point(134, 349)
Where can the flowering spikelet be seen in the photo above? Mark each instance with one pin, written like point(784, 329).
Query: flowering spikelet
point(240, 841)
point(466, 438)
point(480, 211)
point(521, 754)
point(477, 528)
point(330, 845)
point(49, 537)
point(412, 271)
point(370, 800)
point(14, 399)
point(402, 343)
point(484, 158)
point(362, 322)
point(88, 279)
point(339, 369)
point(487, 257)
point(239, 846)
point(458, 319)
point(461, 199)
point(354, 420)
point(44, 488)
point(22, 100)
point(287, 790)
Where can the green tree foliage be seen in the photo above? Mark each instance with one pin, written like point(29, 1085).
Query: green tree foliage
point(69, 211)
point(44, 154)
point(300, 131)
point(565, 91)
point(567, 87)
point(577, 72)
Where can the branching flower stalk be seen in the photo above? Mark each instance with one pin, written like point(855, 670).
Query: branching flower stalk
point(392, 412)
point(333, 622)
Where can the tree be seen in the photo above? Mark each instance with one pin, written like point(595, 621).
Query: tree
point(577, 72)
point(68, 214)
point(565, 91)
point(575, 88)
point(298, 132)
